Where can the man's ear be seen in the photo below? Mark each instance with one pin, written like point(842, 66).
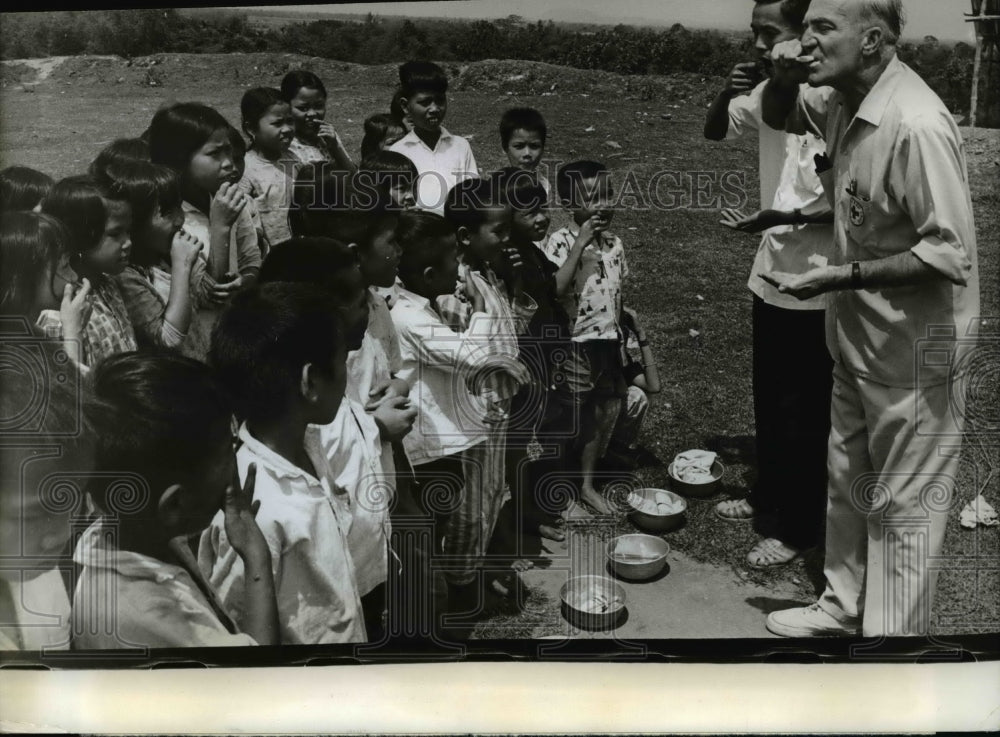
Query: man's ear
point(872, 41)
point(463, 235)
point(355, 247)
point(428, 274)
point(170, 507)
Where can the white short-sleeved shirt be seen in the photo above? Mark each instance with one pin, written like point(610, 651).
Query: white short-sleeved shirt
point(788, 182)
point(901, 184)
point(306, 521)
point(439, 364)
point(354, 453)
point(594, 299)
point(438, 169)
point(36, 613)
point(155, 604)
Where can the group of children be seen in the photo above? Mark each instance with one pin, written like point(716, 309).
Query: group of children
point(286, 360)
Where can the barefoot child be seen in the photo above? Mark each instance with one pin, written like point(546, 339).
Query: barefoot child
point(543, 419)
point(643, 379)
point(280, 352)
point(592, 268)
point(98, 222)
point(194, 140)
point(270, 166)
point(165, 282)
point(165, 459)
point(315, 139)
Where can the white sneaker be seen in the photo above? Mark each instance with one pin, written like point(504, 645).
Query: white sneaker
point(809, 621)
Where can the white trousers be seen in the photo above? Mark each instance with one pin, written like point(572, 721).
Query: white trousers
point(893, 464)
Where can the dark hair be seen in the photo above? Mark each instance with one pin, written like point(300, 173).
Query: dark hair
point(333, 203)
point(121, 149)
point(422, 76)
point(148, 188)
point(157, 415)
point(263, 340)
point(296, 80)
point(256, 102)
point(384, 170)
point(178, 131)
point(396, 111)
point(30, 244)
point(377, 129)
point(570, 177)
point(237, 142)
point(22, 188)
point(78, 202)
point(525, 118)
point(425, 238)
point(793, 11)
point(317, 261)
point(469, 200)
point(519, 188)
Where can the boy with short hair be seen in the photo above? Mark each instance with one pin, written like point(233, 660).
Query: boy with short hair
point(281, 353)
point(452, 441)
point(592, 268)
point(164, 467)
point(522, 137)
point(352, 442)
point(792, 374)
point(442, 158)
point(542, 413)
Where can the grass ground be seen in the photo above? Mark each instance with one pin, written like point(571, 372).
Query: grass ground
point(688, 273)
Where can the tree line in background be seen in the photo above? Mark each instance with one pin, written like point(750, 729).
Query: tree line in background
point(376, 40)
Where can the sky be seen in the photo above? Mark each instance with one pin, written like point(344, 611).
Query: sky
point(941, 18)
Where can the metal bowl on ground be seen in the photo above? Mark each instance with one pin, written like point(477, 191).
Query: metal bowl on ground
point(697, 491)
point(656, 510)
point(592, 602)
point(637, 557)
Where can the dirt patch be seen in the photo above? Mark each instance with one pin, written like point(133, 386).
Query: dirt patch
point(243, 70)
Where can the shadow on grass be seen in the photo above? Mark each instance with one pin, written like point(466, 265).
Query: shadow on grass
point(734, 448)
point(767, 604)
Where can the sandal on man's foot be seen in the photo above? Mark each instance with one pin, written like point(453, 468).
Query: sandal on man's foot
point(771, 552)
point(735, 510)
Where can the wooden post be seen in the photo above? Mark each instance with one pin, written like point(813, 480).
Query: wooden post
point(977, 61)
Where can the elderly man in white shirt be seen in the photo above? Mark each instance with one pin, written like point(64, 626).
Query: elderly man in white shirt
point(791, 388)
point(904, 296)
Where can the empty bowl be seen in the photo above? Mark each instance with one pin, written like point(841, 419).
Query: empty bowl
point(697, 490)
point(592, 602)
point(657, 510)
point(637, 556)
